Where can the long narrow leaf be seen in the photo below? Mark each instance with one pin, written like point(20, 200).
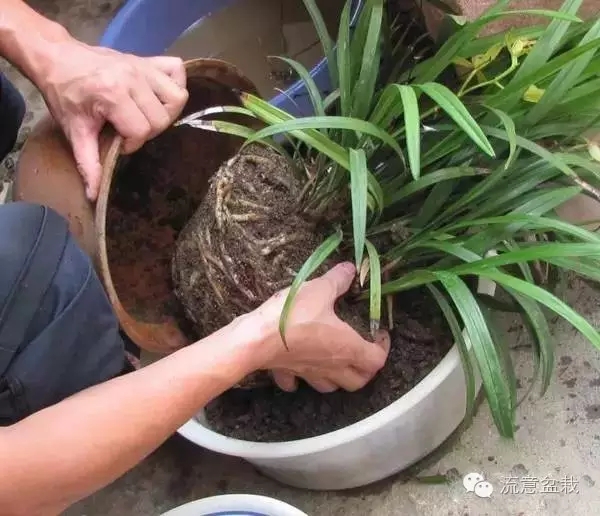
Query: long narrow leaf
point(374, 287)
point(412, 125)
point(511, 94)
point(344, 61)
point(542, 335)
point(493, 376)
point(325, 38)
point(430, 179)
point(529, 222)
point(511, 133)
point(463, 349)
point(369, 71)
point(548, 42)
point(431, 68)
point(328, 122)
point(273, 115)
point(452, 105)
point(358, 190)
point(309, 82)
point(565, 80)
point(544, 297)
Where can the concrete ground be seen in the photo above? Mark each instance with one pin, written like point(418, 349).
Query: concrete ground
point(551, 468)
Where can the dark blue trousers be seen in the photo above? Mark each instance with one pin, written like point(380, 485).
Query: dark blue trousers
point(58, 333)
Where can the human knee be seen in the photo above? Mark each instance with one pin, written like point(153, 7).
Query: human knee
point(58, 333)
point(12, 111)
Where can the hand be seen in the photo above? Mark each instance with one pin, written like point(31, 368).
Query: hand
point(86, 87)
point(322, 349)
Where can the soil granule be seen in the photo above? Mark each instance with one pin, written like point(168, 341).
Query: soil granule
point(268, 414)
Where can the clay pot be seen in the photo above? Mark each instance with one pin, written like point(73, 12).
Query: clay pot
point(144, 201)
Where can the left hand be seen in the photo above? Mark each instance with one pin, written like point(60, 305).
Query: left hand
point(86, 87)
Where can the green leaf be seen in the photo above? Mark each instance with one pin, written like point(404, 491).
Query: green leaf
point(452, 105)
point(545, 298)
point(327, 122)
point(534, 148)
point(511, 94)
point(315, 260)
point(542, 336)
point(528, 223)
point(430, 179)
point(374, 287)
point(547, 43)
point(436, 200)
point(586, 269)
point(365, 86)
point(195, 119)
point(233, 129)
point(493, 375)
point(412, 125)
point(273, 115)
point(358, 189)
point(463, 349)
point(543, 12)
point(344, 61)
point(568, 77)
point(359, 38)
point(545, 252)
point(325, 38)
point(431, 68)
point(311, 86)
point(511, 133)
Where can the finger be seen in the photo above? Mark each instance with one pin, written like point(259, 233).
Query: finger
point(340, 277)
point(350, 379)
point(320, 384)
point(371, 356)
point(172, 96)
point(150, 105)
point(172, 66)
point(83, 137)
point(285, 380)
point(130, 123)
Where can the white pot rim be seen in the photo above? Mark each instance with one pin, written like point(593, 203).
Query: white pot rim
point(197, 433)
point(245, 504)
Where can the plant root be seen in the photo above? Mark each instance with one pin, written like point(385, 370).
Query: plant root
point(245, 242)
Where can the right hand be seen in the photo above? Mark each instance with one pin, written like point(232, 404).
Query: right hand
point(322, 349)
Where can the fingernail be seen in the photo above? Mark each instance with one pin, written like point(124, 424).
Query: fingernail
point(382, 335)
point(348, 267)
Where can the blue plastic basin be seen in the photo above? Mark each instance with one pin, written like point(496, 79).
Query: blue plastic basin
point(150, 27)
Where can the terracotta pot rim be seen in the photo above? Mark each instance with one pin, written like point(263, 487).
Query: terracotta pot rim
point(130, 325)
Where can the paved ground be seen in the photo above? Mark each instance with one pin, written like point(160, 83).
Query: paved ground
point(557, 447)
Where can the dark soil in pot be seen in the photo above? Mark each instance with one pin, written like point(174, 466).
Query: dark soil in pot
point(154, 193)
point(420, 339)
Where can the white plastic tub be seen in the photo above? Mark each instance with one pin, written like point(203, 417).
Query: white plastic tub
point(372, 449)
point(236, 505)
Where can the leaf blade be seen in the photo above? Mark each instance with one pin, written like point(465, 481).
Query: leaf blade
point(358, 192)
point(452, 105)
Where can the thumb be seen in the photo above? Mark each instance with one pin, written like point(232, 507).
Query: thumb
point(383, 340)
point(341, 277)
point(84, 141)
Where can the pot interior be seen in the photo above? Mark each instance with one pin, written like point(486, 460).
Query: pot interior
point(153, 194)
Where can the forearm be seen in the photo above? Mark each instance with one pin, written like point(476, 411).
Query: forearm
point(28, 40)
point(66, 452)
